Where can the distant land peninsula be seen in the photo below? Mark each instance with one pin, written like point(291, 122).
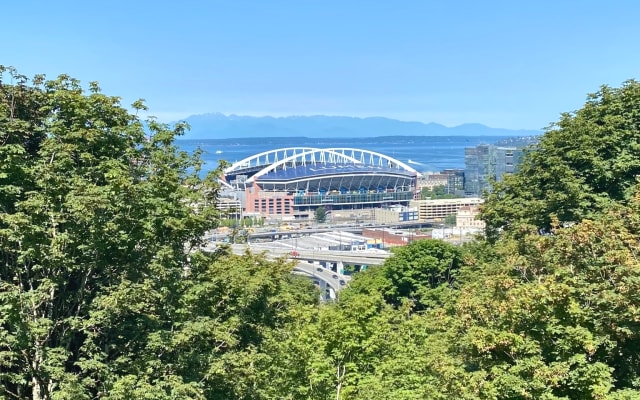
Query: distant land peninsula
point(221, 126)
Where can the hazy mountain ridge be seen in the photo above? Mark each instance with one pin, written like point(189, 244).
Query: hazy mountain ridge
point(220, 126)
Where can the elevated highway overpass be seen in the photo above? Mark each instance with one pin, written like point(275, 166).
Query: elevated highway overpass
point(333, 256)
point(314, 263)
point(275, 233)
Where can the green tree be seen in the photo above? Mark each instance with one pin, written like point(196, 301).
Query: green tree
point(97, 219)
point(320, 214)
point(436, 192)
point(228, 307)
point(555, 316)
point(583, 162)
point(450, 220)
point(325, 352)
point(421, 273)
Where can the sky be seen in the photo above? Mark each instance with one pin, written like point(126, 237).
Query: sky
point(506, 64)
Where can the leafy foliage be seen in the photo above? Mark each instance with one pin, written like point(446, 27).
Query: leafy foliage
point(450, 220)
point(556, 316)
point(320, 214)
point(105, 293)
point(101, 291)
point(583, 162)
point(419, 273)
point(437, 192)
point(422, 270)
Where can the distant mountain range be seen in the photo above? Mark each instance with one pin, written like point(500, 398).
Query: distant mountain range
point(220, 126)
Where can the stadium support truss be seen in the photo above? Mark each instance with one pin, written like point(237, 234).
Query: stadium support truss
point(281, 159)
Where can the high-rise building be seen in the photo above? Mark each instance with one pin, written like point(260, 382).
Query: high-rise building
point(487, 163)
point(506, 161)
point(478, 169)
point(455, 180)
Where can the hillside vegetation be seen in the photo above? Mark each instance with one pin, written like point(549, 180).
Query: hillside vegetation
point(104, 293)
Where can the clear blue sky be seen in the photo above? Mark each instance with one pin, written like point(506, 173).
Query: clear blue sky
point(507, 64)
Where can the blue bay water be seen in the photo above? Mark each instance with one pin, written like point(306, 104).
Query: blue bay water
point(424, 153)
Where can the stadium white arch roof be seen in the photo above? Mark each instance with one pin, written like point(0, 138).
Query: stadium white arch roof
point(281, 159)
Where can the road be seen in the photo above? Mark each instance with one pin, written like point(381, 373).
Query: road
point(346, 257)
point(268, 233)
point(319, 273)
point(313, 271)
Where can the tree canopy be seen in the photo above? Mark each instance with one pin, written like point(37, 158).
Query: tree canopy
point(320, 215)
point(418, 274)
point(103, 292)
point(583, 162)
point(95, 215)
point(106, 293)
point(436, 192)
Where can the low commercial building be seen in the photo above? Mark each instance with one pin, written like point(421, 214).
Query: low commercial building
point(394, 215)
point(467, 218)
point(432, 180)
point(387, 237)
point(438, 210)
point(452, 180)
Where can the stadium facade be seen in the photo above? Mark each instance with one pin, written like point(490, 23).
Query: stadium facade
point(295, 181)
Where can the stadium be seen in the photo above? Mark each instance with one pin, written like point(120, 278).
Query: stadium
point(293, 182)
